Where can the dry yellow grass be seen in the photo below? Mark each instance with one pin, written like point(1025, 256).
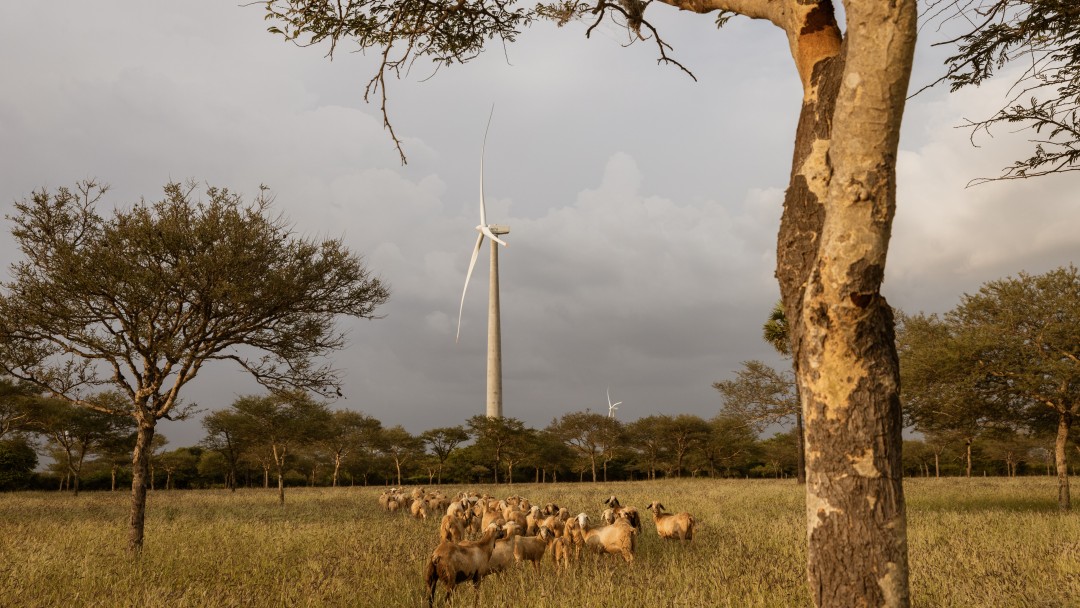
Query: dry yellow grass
point(976, 542)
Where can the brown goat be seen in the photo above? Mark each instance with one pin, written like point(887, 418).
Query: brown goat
point(679, 526)
point(452, 529)
point(454, 563)
point(619, 538)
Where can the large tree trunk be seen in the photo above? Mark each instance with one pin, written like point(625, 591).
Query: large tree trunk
point(830, 263)
point(1064, 422)
point(140, 473)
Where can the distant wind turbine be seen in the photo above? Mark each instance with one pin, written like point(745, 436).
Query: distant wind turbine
point(491, 231)
point(611, 407)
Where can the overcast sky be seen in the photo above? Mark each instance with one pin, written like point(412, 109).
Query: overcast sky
point(643, 206)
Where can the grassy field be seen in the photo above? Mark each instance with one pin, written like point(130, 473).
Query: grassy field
point(973, 542)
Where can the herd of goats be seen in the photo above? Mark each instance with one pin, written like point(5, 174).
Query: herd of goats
point(481, 535)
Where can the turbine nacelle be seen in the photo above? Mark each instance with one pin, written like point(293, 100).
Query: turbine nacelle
point(611, 407)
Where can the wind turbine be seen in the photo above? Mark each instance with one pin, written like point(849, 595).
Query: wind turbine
point(494, 355)
point(611, 407)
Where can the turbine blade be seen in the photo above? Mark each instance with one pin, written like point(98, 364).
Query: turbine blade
point(468, 275)
point(617, 404)
point(609, 397)
point(491, 235)
point(483, 149)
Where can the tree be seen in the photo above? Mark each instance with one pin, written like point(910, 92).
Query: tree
point(831, 247)
point(779, 454)
point(682, 433)
point(1026, 344)
point(776, 332)
point(943, 391)
point(1043, 38)
point(346, 430)
point(283, 421)
point(649, 448)
point(442, 442)
point(400, 446)
point(731, 444)
point(140, 299)
point(16, 399)
point(79, 431)
point(181, 462)
point(224, 435)
point(759, 396)
point(589, 434)
point(498, 439)
point(17, 461)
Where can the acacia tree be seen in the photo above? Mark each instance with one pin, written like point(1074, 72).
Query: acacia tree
point(682, 433)
point(589, 434)
point(400, 446)
point(284, 422)
point(760, 396)
point(346, 430)
point(15, 405)
point(1043, 37)
point(443, 441)
point(943, 392)
point(831, 247)
point(224, 435)
point(499, 439)
point(648, 446)
point(141, 298)
point(1026, 343)
point(78, 431)
point(777, 333)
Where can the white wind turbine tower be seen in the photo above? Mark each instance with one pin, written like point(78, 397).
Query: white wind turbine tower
point(611, 407)
point(494, 355)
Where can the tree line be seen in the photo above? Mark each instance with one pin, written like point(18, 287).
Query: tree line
point(989, 388)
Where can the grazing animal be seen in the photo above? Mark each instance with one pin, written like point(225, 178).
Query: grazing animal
point(454, 563)
point(619, 538)
point(533, 548)
point(452, 529)
point(616, 511)
point(679, 526)
point(562, 550)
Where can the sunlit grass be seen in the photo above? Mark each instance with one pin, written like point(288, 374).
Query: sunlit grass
point(978, 542)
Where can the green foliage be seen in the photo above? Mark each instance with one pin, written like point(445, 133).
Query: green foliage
point(1043, 38)
point(17, 462)
point(152, 292)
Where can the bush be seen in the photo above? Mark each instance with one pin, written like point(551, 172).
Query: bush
point(17, 462)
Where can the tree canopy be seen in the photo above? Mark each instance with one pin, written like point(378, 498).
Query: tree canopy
point(1041, 39)
point(140, 298)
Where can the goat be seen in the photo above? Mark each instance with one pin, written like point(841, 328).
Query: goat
point(561, 550)
point(454, 563)
point(679, 526)
point(533, 548)
point(419, 509)
point(575, 536)
point(503, 553)
point(619, 538)
point(616, 511)
point(452, 528)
